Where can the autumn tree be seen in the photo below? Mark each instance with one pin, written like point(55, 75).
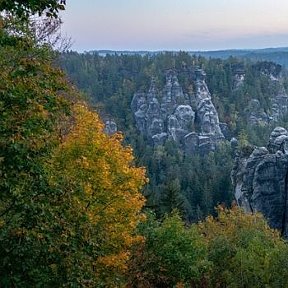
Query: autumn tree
point(33, 107)
point(101, 185)
point(243, 249)
point(70, 195)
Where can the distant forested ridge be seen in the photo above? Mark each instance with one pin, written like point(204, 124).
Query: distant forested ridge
point(194, 184)
point(277, 55)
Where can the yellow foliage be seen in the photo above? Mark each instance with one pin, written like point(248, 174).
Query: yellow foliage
point(180, 285)
point(230, 221)
point(98, 174)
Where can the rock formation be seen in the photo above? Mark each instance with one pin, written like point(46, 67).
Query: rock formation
point(173, 114)
point(110, 127)
point(260, 179)
point(238, 75)
point(256, 114)
point(278, 98)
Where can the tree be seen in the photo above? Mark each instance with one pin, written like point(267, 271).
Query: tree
point(243, 249)
point(25, 8)
point(70, 195)
point(171, 254)
point(34, 108)
point(171, 198)
point(102, 196)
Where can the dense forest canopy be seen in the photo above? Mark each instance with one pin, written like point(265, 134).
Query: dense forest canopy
point(110, 83)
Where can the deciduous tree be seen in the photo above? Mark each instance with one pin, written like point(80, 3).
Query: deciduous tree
point(25, 8)
point(70, 195)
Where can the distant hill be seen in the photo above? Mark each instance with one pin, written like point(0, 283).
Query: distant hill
point(277, 55)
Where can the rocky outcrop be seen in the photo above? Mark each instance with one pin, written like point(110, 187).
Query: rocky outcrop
point(110, 127)
point(238, 75)
point(191, 121)
point(278, 98)
point(256, 114)
point(260, 179)
point(279, 102)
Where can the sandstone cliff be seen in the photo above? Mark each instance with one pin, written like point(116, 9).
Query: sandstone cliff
point(260, 179)
point(189, 120)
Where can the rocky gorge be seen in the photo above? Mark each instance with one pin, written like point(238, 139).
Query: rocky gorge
point(170, 104)
point(260, 174)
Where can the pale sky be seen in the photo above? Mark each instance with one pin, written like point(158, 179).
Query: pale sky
point(175, 24)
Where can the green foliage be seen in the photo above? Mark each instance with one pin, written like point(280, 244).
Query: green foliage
point(111, 82)
point(233, 249)
point(69, 200)
point(171, 254)
point(243, 249)
point(33, 111)
point(62, 222)
point(24, 8)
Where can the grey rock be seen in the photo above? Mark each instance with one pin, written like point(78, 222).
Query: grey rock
point(279, 103)
point(238, 75)
point(261, 181)
point(256, 114)
point(234, 145)
point(238, 80)
point(173, 127)
point(191, 142)
point(152, 90)
point(153, 109)
point(278, 131)
point(185, 116)
point(140, 117)
point(225, 130)
point(168, 114)
point(207, 117)
point(279, 98)
point(159, 139)
point(278, 140)
point(156, 127)
point(206, 114)
point(110, 127)
point(206, 144)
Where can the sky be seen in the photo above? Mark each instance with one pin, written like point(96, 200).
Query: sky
point(186, 25)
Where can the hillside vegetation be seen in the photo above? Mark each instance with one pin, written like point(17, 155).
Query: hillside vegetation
point(71, 207)
point(110, 83)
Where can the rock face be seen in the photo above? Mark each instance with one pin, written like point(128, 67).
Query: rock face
point(189, 120)
point(238, 76)
point(278, 99)
point(279, 102)
point(260, 179)
point(256, 114)
point(110, 127)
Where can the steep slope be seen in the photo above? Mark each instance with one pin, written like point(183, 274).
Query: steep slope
point(261, 180)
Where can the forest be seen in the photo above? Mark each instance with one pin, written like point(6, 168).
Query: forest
point(110, 83)
point(81, 208)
